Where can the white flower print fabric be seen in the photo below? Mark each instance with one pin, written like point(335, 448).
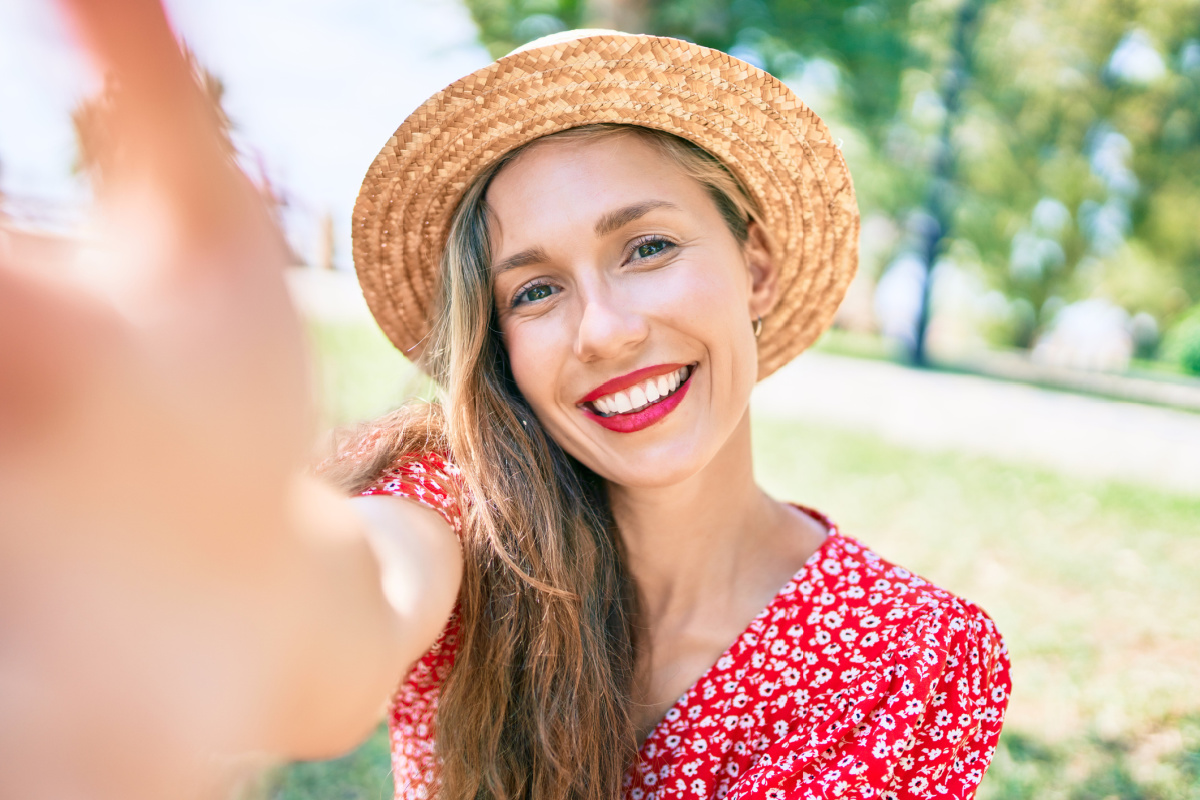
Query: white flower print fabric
point(859, 680)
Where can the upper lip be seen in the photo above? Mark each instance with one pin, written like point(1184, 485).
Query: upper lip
point(628, 380)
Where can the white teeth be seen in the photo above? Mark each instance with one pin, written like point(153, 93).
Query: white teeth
point(638, 397)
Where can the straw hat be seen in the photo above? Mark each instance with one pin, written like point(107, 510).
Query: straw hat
point(776, 145)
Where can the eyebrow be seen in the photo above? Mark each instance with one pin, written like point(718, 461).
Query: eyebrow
point(532, 255)
point(615, 219)
point(611, 221)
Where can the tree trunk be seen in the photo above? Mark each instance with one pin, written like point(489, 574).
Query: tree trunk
point(938, 201)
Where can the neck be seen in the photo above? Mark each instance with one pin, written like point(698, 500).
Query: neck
point(688, 544)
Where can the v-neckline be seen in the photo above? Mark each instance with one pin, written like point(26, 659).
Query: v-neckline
point(831, 533)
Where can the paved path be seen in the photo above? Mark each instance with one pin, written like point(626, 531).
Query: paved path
point(1070, 433)
point(931, 410)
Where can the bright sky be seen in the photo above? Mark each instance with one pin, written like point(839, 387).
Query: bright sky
point(314, 87)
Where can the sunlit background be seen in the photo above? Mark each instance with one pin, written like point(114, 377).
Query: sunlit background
point(1010, 400)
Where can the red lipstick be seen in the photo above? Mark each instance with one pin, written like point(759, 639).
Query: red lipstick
point(637, 420)
point(626, 381)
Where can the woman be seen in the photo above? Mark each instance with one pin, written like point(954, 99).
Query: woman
point(596, 245)
point(608, 291)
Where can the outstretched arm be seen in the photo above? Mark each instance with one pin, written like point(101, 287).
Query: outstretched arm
point(170, 581)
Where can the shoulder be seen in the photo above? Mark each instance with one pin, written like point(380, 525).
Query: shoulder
point(891, 598)
point(429, 478)
point(866, 618)
point(941, 656)
point(900, 679)
point(932, 618)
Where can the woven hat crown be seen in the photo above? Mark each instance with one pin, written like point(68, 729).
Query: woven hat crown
point(754, 124)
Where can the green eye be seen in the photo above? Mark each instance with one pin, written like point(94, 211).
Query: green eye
point(649, 249)
point(535, 293)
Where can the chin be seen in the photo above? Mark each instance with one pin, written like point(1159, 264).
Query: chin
point(647, 481)
point(664, 455)
point(650, 471)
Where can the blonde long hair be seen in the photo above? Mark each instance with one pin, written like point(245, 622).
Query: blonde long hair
point(538, 703)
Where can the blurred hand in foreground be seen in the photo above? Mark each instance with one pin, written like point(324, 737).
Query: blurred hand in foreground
point(154, 384)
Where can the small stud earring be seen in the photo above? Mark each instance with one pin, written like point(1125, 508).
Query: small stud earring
point(758, 326)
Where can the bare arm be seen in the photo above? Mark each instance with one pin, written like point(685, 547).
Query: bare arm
point(422, 568)
point(370, 592)
point(170, 581)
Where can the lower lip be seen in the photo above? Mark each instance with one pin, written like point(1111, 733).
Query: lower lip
point(628, 423)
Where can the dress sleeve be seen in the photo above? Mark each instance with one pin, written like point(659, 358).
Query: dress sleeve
point(433, 481)
point(430, 479)
point(947, 753)
point(923, 726)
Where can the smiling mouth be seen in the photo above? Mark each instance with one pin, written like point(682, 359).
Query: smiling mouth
point(642, 396)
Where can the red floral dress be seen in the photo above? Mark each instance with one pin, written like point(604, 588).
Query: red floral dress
point(859, 680)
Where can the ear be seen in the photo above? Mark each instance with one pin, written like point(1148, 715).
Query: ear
point(764, 275)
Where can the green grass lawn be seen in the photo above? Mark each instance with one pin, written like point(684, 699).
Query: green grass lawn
point(1095, 586)
point(359, 374)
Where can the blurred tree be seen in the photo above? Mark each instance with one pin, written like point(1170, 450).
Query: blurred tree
point(860, 47)
point(507, 24)
point(944, 167)
point(1079, 149)
point(1182, 345)
point(1052, 148)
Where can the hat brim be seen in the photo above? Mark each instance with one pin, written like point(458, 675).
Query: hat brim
point(780, 150)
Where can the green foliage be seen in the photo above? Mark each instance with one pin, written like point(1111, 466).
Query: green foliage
point(1182, 343)
point(864, 42)
point(1074, 154)
point(1052, 120)
point(507, 24)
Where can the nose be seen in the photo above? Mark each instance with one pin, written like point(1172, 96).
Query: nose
point(608, 327)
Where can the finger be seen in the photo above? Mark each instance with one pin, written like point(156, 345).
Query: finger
point(47, 332)
point(174, 155)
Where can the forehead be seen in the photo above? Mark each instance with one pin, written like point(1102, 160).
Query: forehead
point(577, 180)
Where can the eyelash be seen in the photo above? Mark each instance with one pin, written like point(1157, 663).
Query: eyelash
point(651, 239)
point(534, 284)
point(633, 248)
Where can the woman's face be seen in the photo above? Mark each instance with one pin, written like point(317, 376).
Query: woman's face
point(626, 306)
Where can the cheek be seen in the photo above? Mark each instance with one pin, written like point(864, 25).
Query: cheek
point(708, 300)
point(534, 355)
point(718, 309)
